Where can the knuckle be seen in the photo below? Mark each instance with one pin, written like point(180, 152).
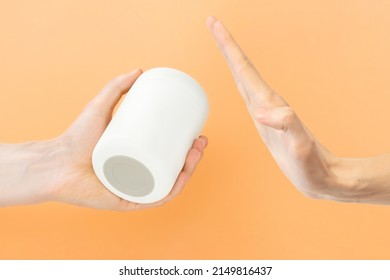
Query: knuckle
point(258, 118)
point(289, 117)
point(259, 114)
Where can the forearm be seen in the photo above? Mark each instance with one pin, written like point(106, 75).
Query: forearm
point(28, 172)
point(363, 180)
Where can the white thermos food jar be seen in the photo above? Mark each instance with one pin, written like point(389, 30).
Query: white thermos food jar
point(144, 147)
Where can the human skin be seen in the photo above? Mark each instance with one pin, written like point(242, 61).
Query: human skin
point(311, 168)
point(60, 169)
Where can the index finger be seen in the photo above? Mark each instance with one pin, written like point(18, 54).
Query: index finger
point(110, 95)
point(245, 74)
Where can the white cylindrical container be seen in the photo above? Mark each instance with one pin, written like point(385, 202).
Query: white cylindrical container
point(144, 147)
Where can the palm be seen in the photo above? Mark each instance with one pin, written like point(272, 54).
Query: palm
point(299, 155)
point(303, 162)
point(83, 187)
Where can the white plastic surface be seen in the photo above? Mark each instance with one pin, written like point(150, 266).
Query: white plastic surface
point(143, 149)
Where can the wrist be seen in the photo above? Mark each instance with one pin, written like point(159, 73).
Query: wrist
point(30, 171)
point(360, 179)
point(49, 164)
point(343, 185)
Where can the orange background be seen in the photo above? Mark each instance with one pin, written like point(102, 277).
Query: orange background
point(329, 59)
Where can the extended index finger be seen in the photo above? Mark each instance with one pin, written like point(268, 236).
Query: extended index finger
point(246, 76)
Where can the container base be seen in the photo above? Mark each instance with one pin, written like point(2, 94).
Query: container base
point(129, 176)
